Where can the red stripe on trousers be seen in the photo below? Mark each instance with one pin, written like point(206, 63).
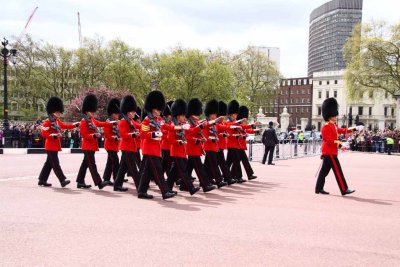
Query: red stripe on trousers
point(336, 170)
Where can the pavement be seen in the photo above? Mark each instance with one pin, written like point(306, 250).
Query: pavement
point(274, 220)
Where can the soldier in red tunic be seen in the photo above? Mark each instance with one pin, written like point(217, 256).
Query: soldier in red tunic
point(151, 134)
point(51, 131)
point(129, 130)
point(165, 144)
point(111, 143)
point(177, 140)
point(195, 139)
point(138, 120)
point(330, 144)
point(90, 135)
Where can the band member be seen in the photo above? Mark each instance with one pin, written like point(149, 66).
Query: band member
point(111, 141)
point(211, 143)
point(90, 135)
point(195, 139)
point(177, 139)
point(51, 132)
point(234, 131)
point(129, 130)
point(246, 129)
point(222, 143)
point(330, 144)
point(151, 133)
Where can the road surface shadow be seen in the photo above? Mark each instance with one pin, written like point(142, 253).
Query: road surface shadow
point(68, 191)
point(173, 203)
point(106, 193)
point(366, 200)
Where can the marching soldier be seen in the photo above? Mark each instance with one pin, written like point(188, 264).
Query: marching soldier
point(165, 144)
point(51, 131)
point(211, 144)
point(111, 143)
point(129, 130)
point(138, 120)
point(90, 135)
point(151, 133)
point(177, 140)
point(330, 144)
point(195, 139)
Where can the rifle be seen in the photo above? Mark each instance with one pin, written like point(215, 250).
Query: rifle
point(54, 124)
point(213, 131)
point(195, 125)
point(153, 122)
point(180, 132)
point(133, 128)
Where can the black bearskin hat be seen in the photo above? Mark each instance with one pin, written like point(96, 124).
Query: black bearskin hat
point(167, 110)
point(179, 107)
point(233, 107)
point(243, 113)
point(143, 115)
point(113, 106)
point(329, 108)
point(128, 104)
point(154, 100)
point(195, 107)
point(89, 103)
point(54, 104)
point(211, 107)
point(222, 109)
point(138, 113)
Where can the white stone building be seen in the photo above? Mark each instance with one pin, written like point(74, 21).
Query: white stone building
point(375, 111)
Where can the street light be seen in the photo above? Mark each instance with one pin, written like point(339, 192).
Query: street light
point(6, 54)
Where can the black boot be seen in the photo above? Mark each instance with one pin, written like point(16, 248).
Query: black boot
point(65, 182)
point(83, 185)
point(208, 188)
point(221, 184)
point(167, 195)
point(231, 181)
point(240, 180)
point(144, 196)
point(120, 189)
point(348, 192)
point(194, 190)
point(252, 177)
point(323, 192)
point(102, 184)
point(45, 184)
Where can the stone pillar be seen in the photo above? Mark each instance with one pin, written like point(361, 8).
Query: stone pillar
point(397, 96)
point(304, 122)
point(284, 120)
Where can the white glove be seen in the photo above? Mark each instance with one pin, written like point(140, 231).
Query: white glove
point(211, 122)
point(158, 134)
point(235, 127)
point(346, 145)
point(359, 127)
point(186, 126)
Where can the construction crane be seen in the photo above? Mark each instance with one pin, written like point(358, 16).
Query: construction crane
point(26, 25)
point(79, 30)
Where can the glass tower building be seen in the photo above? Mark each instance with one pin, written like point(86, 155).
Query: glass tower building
point(330, 26)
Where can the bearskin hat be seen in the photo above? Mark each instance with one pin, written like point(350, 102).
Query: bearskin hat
point(243, 113)
point(211, 107)
point(113, 106)
point(138, 113)
point(143, 115)
point(90, 103)
point(128, 104)
point(179, 107)
point(54, 104)
point(233, 107)
point(154, 100)
point(167, 110)
point(222, 109)
point(329, 108)
point(195, 107)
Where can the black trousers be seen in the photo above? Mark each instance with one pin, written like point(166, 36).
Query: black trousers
point(151, 167)
point(223, 166)
point(211, 166)
point(166, 160)
point(127, 165)
point(270, 150)
point(245, 161)
point(195, 162)
point(138, 160)
point(88, 162)
point(233, 162)
point(331, 162)
point(112, 166)
point(52, 163)
point(179, 171)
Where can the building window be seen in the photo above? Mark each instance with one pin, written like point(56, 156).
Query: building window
point(294, 82)
point(302, 110)
point(392, 112)
point(305, 81)
point(319, 126)
point(289, 83)
point(286, 100)
point(327, 94)
point(309, 91)
point(385, 111)
point(320, 82)
point(319, 94)
point(335, 81)
point(360, 110)
point(334, 93)
point(319, 111)
point(308, 101)
point(299, 81)
point(370, 111)
point(302, 91)
point(327, 82)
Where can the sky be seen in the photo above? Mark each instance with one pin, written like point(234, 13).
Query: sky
point(158, 25)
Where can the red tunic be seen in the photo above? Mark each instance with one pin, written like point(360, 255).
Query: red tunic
point(89, 142)
point(211, 144)
point(151, 146)
point(222, 128)
point(329, 134)
point(242, 139)
point(234, 135)
point(177, 150)
point(193, 149)
point(165, 144)
point(110, 144)
point(128, 142)
point(53, 144)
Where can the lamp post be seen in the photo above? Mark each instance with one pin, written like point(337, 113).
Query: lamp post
point(6, 54)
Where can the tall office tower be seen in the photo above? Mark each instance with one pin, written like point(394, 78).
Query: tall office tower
point(330, 26)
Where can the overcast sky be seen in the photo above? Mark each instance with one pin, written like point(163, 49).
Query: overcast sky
point(156, 25)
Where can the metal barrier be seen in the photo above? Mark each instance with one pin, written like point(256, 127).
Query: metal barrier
point(287, 149)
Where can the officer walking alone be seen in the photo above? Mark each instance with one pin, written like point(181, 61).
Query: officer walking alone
point(270, 140)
